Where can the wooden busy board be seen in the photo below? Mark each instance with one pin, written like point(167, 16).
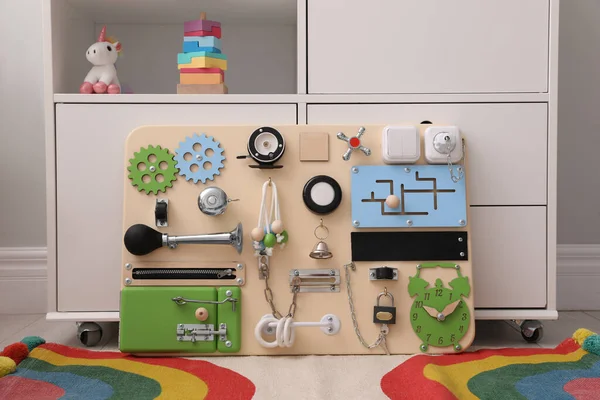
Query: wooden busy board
point(309, 151)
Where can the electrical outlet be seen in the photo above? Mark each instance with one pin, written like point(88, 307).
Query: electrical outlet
point(441, 141)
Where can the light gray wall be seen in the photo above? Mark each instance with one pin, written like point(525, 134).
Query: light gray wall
point(579, 123)
point(22, 156)
point(22, 175)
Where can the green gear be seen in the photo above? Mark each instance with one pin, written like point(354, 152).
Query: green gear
point(140, 166)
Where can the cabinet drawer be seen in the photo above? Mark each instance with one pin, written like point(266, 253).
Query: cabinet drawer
point(434, 46)
point(509, 256)
point(89, 176)
point(506, 143)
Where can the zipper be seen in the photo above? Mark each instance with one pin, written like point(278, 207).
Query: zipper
point(183, 273)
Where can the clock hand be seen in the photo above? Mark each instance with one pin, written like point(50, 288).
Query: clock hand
point(440, 316)
point(449, 309)
point(431, 311)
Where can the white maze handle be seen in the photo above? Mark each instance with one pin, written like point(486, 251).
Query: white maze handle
point(285, 329)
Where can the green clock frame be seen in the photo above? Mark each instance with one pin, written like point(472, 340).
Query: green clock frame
point(439, 315)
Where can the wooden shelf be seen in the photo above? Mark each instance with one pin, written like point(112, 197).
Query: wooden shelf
point(177, 11)
point(299, 98)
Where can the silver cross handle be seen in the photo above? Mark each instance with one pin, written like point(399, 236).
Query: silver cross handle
point(354, 143)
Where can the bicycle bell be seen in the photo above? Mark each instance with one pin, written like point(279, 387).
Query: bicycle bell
point(213, 201)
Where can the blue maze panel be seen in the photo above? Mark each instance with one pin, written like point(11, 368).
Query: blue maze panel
point(428, 197)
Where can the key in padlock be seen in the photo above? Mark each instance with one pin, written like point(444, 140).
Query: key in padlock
point(384, 315)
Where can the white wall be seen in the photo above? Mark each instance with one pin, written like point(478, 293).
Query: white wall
point(22, 159)
point(579, 123)
point(22, 209)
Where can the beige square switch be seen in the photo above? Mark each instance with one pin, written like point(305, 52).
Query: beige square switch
point(314, 146)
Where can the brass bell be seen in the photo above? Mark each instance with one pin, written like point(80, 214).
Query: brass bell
point(321, 251)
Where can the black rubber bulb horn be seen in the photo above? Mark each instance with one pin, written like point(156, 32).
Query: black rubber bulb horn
point(141, 239)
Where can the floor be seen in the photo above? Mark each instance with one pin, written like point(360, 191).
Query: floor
point(329, 377)
point(488, 333)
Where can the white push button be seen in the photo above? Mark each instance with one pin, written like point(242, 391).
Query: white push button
point(401, 145)
point(322, 194)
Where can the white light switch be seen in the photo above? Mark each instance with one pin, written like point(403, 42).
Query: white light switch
point(401, 145)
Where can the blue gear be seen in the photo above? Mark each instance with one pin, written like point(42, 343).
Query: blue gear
point(198, 158)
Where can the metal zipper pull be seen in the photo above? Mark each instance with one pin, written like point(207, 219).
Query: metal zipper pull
point(222, 274)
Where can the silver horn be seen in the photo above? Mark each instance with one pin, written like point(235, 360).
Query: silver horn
point(234, 238)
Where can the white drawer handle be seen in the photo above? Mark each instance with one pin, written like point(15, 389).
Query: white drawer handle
point(285, 329)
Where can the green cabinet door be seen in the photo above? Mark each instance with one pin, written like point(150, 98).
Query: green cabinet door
point(150, 319)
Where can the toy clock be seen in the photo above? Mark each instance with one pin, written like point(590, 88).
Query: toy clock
point(439, 315)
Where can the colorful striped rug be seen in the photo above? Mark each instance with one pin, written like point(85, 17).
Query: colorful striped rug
point(569, 371)
point(53, 371)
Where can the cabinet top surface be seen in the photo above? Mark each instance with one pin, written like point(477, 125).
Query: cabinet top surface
point(298, 98)
point(176, 11)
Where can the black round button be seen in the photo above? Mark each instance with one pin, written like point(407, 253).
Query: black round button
point(266, 145)
point(322, 194)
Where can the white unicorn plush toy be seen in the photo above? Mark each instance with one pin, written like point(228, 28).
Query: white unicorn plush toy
point(102, 78)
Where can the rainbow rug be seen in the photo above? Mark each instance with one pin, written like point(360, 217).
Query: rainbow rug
point(33, 370)
point(569, 371)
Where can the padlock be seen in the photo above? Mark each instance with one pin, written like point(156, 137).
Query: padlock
point(384, 315)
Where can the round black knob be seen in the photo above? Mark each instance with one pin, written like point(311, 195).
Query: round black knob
point(141, 239)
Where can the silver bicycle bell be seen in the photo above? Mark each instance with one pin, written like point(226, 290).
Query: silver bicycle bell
point(213, 201)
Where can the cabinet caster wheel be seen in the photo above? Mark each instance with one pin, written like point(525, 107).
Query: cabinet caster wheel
point(89, 333)
point(532, 331)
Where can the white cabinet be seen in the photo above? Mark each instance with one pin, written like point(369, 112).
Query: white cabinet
point(489, 67)
point(506, 166)
point(509, 257)
point(90, 167)
point(506, 143)
point(432, 46)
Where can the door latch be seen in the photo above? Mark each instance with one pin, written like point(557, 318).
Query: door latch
point(200, 332)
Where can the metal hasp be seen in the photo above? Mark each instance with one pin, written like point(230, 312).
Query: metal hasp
point(160, 212)
point(200, 332)
point(181, 301)
point(380, 273)
point(316, 280)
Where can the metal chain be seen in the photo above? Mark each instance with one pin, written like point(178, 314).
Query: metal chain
point(269, 293)
point(381, 339)
point(460, 169)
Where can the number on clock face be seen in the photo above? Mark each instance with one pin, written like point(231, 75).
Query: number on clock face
point(439, 331)
point(438, 314)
